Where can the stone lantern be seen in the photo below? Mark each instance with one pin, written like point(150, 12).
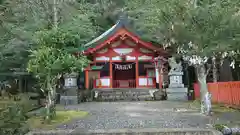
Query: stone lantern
point(70, 95)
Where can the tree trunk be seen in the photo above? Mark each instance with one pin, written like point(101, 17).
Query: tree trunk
point(215, 74)
point(55, 14)
point(205, 95)
point(50, 106)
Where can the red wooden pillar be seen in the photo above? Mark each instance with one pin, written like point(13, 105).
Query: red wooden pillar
point(137, 72)
point(111, 76)
point(86, 79)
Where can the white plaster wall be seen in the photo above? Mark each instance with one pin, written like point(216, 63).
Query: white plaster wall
point(105, 81)
point(143, 81)
point(116, 58)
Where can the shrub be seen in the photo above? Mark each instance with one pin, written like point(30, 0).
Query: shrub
point(13, 120)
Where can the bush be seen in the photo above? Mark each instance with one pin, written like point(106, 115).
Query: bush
point(13, 120)
point(27, 103)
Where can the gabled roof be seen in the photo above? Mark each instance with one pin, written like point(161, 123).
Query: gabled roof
point(121, 23)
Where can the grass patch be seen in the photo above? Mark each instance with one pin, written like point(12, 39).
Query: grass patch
point(62, 117)
point(5, 103)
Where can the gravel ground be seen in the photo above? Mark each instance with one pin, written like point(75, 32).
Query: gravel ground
point(119, 115)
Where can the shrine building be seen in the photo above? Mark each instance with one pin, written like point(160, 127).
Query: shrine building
point(121, 59)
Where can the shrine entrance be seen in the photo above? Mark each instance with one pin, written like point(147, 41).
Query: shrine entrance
point(124, 75)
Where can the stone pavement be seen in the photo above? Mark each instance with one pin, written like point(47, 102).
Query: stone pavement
point(131, 115)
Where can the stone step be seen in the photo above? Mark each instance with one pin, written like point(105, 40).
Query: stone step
point(141, 131)
point(152, 131)
point(171, 90)
point(180, 96)
point(131, 94)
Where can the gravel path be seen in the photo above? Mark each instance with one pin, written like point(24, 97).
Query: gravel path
point(118, 115)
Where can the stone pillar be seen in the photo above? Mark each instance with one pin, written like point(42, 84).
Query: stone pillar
point(176, 90)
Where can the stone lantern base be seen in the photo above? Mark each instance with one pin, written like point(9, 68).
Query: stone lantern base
point(176, 90)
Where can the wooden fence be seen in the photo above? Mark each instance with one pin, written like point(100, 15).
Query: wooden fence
point(222, 92)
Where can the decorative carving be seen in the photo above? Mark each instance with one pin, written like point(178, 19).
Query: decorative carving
point(123, 37)
point(145, 50)
point(103, 51)
point(123, 51)
point(123, 58)
point(115, 44)
point(130, 43)
point(175, 67)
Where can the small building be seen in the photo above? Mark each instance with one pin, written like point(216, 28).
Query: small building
point(121, 59)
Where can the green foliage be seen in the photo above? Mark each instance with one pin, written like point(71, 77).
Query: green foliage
point(13, 120)
point(20, 20)
point(211, 27)
point(219, 127)
point(64, 38)
point(49, 61)
point(52, 57)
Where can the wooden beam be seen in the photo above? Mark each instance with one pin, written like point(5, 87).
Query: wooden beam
point(111, 73)
point(137, 72)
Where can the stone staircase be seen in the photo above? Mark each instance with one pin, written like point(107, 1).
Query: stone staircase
point(124, 94)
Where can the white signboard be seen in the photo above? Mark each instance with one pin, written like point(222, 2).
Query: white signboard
point(70, 82)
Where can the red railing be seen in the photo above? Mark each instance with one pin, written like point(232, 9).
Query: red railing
point(124, 83)
point(222, 92)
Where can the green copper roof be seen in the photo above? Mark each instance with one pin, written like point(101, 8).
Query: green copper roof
point(122, 22)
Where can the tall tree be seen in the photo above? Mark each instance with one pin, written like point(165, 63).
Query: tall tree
point(53, 55)
point(196, 30)
point(21, 19)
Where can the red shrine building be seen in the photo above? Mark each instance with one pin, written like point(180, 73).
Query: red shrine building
point(120, 59)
